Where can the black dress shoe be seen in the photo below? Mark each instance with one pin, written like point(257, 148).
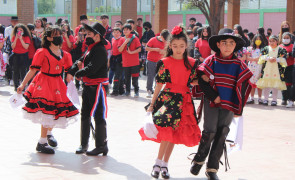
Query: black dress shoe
point(196, 167)
point(82, 149)
point(165, 174)
point(155, 174)
point(212, 175)
point(99, 150)
point(114, 94)
point(51, 141)
point(44, 148)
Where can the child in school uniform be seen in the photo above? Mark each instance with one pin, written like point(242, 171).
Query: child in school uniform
point(224, 80)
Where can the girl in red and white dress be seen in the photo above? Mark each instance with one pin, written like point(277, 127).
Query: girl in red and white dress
point(172, 108)
point(48, 103)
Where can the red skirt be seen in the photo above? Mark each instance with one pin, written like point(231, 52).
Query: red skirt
point(187, 133)
point(48, 103)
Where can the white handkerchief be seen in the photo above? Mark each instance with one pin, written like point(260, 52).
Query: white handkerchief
point(16, 100)
point(72, 94)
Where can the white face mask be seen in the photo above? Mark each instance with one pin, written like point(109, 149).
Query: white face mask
point(286, 41)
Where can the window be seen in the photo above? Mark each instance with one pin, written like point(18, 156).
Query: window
point(4, 1)
point(148, 2)
point(118, 3)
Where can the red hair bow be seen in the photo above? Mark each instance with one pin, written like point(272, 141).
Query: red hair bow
point(176, 30)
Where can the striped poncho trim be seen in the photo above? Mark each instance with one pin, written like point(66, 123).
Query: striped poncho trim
point(227, 77)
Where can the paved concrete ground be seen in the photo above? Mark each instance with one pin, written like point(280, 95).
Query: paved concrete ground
point(268, 153)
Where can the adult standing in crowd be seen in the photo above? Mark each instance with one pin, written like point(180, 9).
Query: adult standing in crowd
point(285, 27)
point(156, 51)
point(268, 32)
point(148, 33)
point(93, 68)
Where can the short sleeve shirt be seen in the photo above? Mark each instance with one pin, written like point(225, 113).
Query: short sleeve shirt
point(155, 43)
point(203, 47)
point(19, 49)
point(129, 60)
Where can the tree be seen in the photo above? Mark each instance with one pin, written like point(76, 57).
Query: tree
point(46, 6)
point(212, 12)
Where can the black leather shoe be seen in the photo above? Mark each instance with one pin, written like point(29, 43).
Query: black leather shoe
point(165, 174)
point(82, 149)
point(51, 141)
point(155, 174)
point(45, 148)
point(99, 150)
point(114, 94)
point(211, 175)
point(196, 167)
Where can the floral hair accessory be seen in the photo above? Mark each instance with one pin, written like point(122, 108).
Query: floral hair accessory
point(176, 30)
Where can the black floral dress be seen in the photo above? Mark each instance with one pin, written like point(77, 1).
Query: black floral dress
point(174, 113)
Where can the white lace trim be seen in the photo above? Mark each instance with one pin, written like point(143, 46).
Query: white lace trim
point(48, 121)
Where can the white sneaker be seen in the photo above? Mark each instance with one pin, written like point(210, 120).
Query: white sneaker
point(149, 94)
point(290, 104)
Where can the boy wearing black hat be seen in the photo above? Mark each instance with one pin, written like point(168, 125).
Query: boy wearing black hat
point(92, 68)
point(224, 80)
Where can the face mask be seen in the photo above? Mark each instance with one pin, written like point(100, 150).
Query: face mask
point(268, 33)
point(258, 42)
point(286, 41)
point(146, 29)
point(57, 41)
point(285, 30)
point(89, 41)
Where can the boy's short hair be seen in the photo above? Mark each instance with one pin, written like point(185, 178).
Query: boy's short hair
point(117, 29)
point(165, 34)
point(44, 19)
point(269, 29)
point(245, 30)
point(104, 16)
point(192, 19)
point(139, 19)
point(189, 32)
point(130, 21)
point(128, 26)
point(147, 24)
point(31, 26)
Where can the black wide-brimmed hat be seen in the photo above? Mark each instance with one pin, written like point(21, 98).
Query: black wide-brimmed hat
point(82, 17)
point(14, 18)
point(97, 28)
point(225, 34)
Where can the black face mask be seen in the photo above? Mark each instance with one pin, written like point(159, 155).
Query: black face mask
point(268, 33)
point(57, 40)
point(89, 41)
point(146, 29)
point(285, 30)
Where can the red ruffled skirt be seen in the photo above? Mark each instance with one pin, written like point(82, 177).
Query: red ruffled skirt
point(48, 103)
point(187, 133)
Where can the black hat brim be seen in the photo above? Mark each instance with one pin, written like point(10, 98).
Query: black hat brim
point(240, 43)
point(102, 39)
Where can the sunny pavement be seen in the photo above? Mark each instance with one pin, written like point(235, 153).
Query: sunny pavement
point(268, 152)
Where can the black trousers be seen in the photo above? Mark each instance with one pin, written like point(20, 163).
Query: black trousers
point(119, 75)
point(88, 100)
point(19, 68)
point(133, 72)
point(289, 74)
